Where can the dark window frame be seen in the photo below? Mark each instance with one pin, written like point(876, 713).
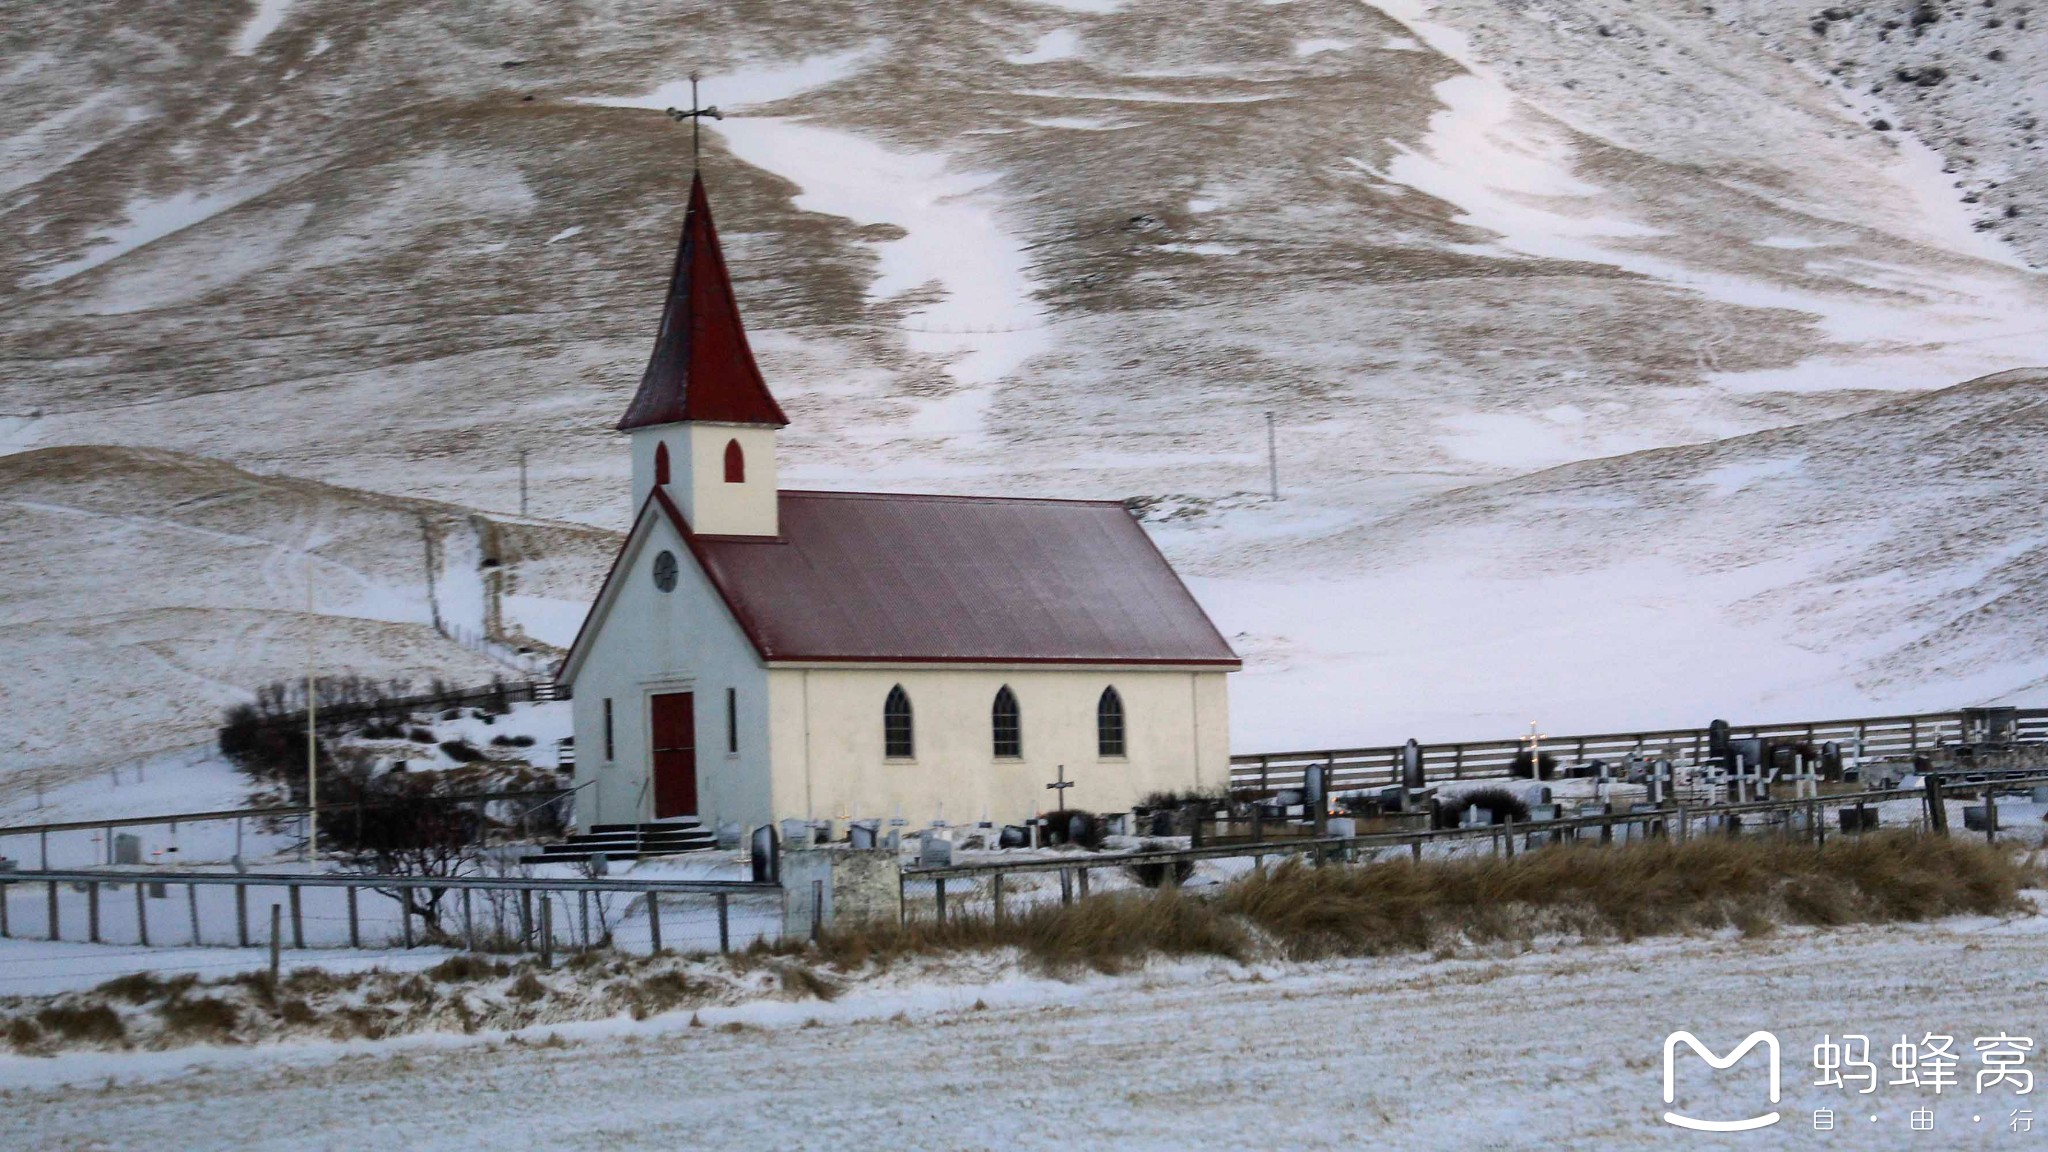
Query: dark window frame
point(735, 462)
point(661, 472)
point(609, 750)
point(899, 726)
point(1111, 734)
point(1006, 725)
point(732, 721)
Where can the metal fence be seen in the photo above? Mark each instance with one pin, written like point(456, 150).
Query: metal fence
point(1869, 737)
point(994, 889)
point(223, 834)
point(154, 908)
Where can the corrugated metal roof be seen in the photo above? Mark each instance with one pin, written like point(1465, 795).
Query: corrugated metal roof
point(891, 578)
point(702, 368)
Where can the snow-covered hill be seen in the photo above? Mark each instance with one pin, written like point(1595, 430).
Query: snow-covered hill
point(1073, 248)
point(157, 588)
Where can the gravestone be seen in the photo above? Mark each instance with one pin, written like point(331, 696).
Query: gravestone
point(821, 831)
point(1120, 824)
point(1314, 786)
point(1343, 826)
point(1717, 741)
point(1162, 823)
point(860, 835)
point(1077, 828)
point(1475, 817)
point(1536, 794)
point(1831, 761)
point(127, 848)
point(934, 852)
point(1015, 836)
point(1411, 767)
point(796, 831)
point(763, 854)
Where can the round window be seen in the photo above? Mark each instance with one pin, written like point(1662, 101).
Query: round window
point(665, 571)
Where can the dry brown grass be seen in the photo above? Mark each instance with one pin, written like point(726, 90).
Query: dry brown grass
point(1623, 892)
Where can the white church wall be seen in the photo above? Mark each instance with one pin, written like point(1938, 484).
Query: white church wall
point(681, 641)
point(827, 732)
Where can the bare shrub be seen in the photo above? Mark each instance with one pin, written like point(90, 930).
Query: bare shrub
point(87, 1023)
point(206, 1017)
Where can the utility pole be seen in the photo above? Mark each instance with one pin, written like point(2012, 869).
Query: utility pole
point(312, 731)
point(1272, 458)
point(522, 482)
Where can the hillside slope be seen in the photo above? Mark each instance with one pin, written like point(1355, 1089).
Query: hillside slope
point(1059, 248)
point(161, 587)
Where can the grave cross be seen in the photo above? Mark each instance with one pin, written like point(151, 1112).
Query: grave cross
point(695, 114)
point(1060, 785)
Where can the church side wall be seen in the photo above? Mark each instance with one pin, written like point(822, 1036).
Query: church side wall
point(681, 641)
point(827, 732)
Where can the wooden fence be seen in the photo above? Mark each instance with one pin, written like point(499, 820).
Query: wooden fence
point(1349, 769)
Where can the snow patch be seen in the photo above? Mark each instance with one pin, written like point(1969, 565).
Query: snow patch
point(1058, 44)
point(1318, 46)
point(268, 16)
point(147, 221)
point(751, 86)
point(987, 323)
point(564, 234)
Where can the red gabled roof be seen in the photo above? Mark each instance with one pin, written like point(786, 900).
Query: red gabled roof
point(702, 368)
point(869, 578)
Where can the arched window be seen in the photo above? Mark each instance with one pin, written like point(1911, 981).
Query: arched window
point(1007, 724)
point(660, 464)
point(1109, 724)
point(897, 736)
point(735, 463)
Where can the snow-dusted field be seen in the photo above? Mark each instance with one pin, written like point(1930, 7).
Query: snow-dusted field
point(1559, 1047)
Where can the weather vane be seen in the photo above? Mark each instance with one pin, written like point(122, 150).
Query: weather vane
point(695, 114)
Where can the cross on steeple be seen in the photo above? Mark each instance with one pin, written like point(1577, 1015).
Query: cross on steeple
point(695, 114)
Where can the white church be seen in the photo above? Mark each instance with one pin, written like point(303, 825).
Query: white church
point(758, 654)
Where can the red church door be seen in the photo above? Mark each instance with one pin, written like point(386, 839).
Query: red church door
point(675, 754)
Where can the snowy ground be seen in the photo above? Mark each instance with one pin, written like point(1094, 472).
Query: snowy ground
point(1560, 1047)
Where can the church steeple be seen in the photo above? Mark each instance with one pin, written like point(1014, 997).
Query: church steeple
point(703, 422)
point(702, 368)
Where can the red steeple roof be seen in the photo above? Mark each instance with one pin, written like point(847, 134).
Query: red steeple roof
point(702, 368)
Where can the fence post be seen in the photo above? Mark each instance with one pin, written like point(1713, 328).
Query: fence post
point(1937, 812)
point(526, 919)
point(405, 916)
point(5, 930)
point(996, 889)
point(355, 933)
point(1415, 849)
point(242, 915)
point(654, 919)
point(192, 904)
point(818, 908)
point(468, 923)
point(938, 890)
point(141, 914)
point(547, 930)
point(1508, 835)
point(298, 920)
point(92, 911)
point(724, 926)
point(1084, 883)
point(276, 922)
point(583, 914)
point(54, 934)
point(1066, 886)
point(1990, 816)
